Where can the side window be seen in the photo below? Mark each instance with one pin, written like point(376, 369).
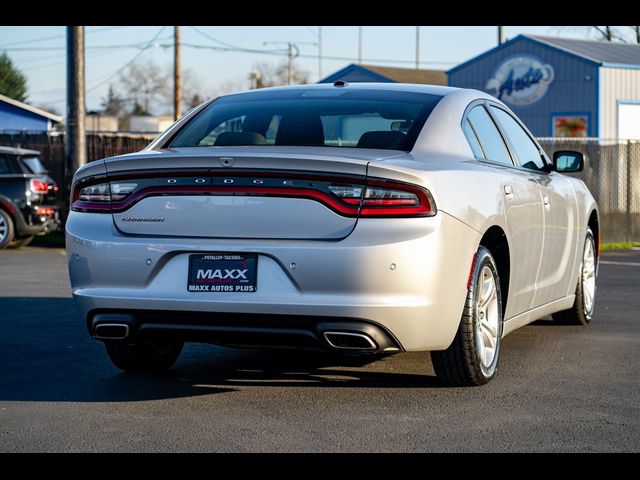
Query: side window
point(473, 140)
point(525, 149)
point(5, 167)
point(489, 136)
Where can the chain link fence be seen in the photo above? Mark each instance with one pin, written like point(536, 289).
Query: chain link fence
point(612, 170)
point(612, 173)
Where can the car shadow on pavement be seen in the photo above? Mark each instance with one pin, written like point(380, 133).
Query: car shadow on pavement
point(47, 355)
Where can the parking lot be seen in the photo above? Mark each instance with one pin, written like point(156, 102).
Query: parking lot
point(559, 388)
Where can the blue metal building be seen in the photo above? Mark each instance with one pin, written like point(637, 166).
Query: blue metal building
point(18, 116)
point(561, 87)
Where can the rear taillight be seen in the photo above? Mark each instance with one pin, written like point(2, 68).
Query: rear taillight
point(100, 196)
point(38, 186)
point(386, 199)
point(56, 188)
point(45, 211)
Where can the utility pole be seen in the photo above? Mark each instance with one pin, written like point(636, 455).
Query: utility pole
point(320, 53)
point(290, 63)
point(177, 77)
point(359, 45)
point(75, 144)
point(500, 35)
point(417, 48)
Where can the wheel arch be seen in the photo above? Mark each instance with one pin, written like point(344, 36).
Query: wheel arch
point(594, 224)
point(495, 240)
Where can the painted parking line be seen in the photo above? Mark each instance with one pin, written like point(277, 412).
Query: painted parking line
point(609, 262)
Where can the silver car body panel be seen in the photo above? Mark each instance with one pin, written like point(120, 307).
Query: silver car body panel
point(406, 274)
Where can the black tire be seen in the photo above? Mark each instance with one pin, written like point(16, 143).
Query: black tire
point(460, 364)
point(149, 356)
point(579, 314)
point(23, 242)
point(7, 230)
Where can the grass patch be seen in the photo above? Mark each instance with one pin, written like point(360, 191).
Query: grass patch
point(619, 246)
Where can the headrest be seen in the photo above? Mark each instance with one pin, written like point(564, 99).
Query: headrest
point(383, 139)
point(300, 130)
point(232, 139)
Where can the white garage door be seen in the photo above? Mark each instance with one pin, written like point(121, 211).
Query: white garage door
point(629, 121)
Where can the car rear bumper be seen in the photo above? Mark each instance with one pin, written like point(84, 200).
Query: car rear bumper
point(39, 224)
point(405, 277)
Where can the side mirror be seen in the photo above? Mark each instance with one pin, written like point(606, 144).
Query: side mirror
point(567, 161)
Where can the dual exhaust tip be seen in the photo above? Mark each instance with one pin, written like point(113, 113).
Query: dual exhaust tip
point(111, 331)
point(350, 341)
point(346, 337)
point(338, 340)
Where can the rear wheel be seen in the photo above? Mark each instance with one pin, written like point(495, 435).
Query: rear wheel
point(6, 229)
point(582, 310)
point(148, 356)
point(472, 358)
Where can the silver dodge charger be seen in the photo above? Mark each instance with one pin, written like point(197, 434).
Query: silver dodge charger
point(363, 219)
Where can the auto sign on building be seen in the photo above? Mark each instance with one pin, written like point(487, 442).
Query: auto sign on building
point(561, 87)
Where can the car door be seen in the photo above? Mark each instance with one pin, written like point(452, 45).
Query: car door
point(559, 212)
point(520, 196)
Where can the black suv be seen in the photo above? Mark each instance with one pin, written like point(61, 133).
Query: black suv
point(27, 198)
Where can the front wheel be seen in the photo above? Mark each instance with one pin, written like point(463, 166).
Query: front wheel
point(148, 356)
point(472, 358)
point(582, 310)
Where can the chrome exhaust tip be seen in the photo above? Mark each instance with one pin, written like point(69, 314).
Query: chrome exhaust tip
point(111, 331)
point(350, 341)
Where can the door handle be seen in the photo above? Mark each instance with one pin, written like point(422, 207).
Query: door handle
point(508, 190)
point(547, 203)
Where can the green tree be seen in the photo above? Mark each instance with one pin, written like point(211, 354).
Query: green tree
point(13, 83)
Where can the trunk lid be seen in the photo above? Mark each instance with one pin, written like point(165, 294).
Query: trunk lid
point(239, 192)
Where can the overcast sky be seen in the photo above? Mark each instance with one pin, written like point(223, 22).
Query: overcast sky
point(40, 52)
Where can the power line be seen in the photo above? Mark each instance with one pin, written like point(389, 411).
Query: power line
point(302, 55)
point(213, 39)
point(54, 37)
point(92, 47)
point(135, 57)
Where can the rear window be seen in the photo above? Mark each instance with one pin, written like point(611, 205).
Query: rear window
point(5, 167)
point(319, 118)
point(34, 165)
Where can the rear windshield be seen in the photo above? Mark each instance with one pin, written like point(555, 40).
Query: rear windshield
point(33, 163)
point(320, 118)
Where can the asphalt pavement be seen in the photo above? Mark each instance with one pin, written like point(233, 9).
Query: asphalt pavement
point(559, 388)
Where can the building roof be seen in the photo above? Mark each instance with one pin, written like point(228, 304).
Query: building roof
point(598, 51)
point(410, 75)
point(392, 74)
point(29, 108)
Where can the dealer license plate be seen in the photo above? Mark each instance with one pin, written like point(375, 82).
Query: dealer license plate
point(221, 272)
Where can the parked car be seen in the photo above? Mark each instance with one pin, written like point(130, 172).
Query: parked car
point(365, 219)
point(27, 198)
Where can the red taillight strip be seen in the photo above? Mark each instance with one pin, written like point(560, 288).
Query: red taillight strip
point(347, 207)
point(310, 194)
